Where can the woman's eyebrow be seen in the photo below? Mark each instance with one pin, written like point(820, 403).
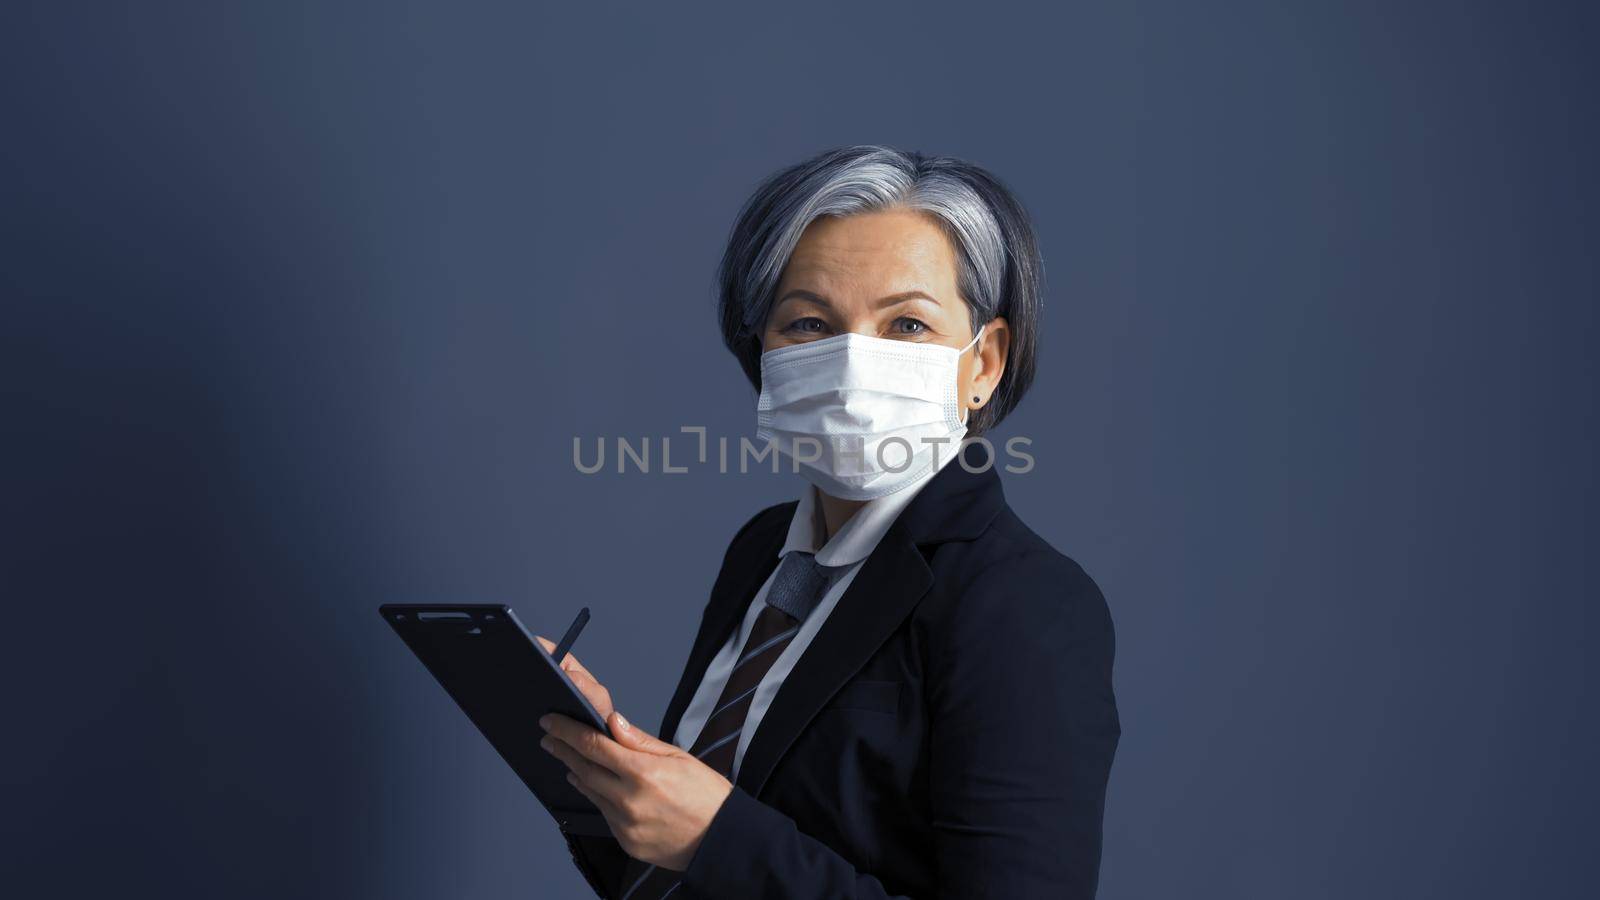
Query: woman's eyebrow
point(902, 297)
point(880, 303)
point(803, 294)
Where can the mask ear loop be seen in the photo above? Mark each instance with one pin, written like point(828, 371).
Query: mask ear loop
point(975, 339)
point(967, 414)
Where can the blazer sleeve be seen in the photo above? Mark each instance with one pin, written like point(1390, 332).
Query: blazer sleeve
point(1023, 729)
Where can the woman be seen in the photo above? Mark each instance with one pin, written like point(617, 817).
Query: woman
point(897, 688)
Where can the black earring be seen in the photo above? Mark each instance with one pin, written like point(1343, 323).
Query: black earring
point(974, 399)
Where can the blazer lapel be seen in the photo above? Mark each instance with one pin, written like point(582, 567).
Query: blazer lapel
point(956, 505)
point(891, 581)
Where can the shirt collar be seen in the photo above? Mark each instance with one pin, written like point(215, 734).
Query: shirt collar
point(860, 535)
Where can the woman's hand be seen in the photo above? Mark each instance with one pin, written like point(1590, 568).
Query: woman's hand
point(658, 799)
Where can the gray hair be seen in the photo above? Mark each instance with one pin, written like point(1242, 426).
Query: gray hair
point(999, 272)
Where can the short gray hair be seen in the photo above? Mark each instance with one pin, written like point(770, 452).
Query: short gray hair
point(999, 272)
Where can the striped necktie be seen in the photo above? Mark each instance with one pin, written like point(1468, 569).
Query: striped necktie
point(796, 588)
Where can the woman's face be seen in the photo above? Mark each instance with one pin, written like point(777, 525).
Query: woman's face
point(888, 274)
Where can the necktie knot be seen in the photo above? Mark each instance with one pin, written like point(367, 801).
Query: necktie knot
point(798, 584)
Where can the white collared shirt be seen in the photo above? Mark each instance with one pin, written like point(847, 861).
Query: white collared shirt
point(849, 547)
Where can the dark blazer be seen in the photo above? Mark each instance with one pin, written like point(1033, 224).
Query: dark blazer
point(948, 733)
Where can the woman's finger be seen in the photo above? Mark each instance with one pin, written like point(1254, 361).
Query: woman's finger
point(594, 774)
point(594, 690)
point(594, 745)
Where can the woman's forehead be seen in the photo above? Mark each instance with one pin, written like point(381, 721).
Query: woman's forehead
point(872, 255)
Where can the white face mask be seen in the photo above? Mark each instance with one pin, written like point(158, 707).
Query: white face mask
point(854, 411)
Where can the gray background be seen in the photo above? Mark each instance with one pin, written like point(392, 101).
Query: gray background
point(304, 304)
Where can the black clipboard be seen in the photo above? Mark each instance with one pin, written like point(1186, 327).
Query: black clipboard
point(504, 681)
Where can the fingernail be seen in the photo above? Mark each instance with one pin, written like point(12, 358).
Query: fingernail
point(622, 722)
point(544, 722)
point(544, 743)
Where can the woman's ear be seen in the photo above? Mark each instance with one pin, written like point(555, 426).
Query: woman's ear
point(987, 365)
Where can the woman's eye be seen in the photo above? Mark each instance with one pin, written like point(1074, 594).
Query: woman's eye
point(908, 325)
point(807, 325)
